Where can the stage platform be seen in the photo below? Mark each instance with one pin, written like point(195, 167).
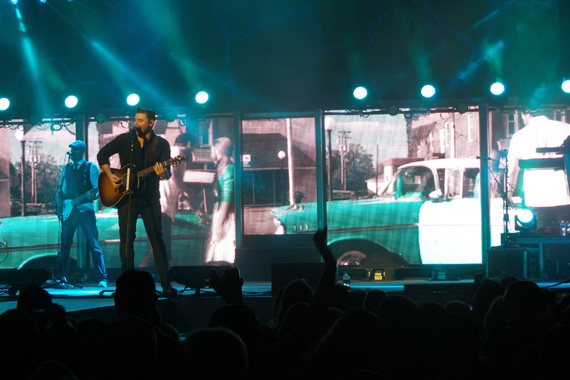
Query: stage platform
point(191, 308)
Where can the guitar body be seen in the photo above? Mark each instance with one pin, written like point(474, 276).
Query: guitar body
point(66, 208)
point(110, 195)
point(67, 205)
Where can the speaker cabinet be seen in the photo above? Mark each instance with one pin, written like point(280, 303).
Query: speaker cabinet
point(197, 277)
point(255, 264)
point(283, 273)
point(18, 279)
point(519, 262)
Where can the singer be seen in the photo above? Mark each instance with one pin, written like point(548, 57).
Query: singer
point(141, 148)
point(74, 200)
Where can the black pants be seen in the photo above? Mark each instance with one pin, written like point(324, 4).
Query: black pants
point(151, 217)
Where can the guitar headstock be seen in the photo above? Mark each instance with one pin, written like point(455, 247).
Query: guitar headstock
point(175, 160)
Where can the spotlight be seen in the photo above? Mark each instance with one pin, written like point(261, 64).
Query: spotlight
point(4, 104)
point(428, 91)
point(133, 99)
point(170, 117)
point(34, 119)
point(71, 101)
point(461, 107)
point(14, 2)
point(100, 117)
point(393, 109)
point(360, 92)
point(202, 97)
point(42, 1)
point(566, 86)
point(497, 88)
point(525, 220)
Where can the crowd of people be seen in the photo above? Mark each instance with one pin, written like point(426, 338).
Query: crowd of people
point(511, 329)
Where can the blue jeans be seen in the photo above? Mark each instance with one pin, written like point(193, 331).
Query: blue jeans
point(86, 220)
point(151, 216)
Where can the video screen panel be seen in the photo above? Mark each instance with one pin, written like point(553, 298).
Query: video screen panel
point(31, 233)
point(279, 170)
point(401, 189)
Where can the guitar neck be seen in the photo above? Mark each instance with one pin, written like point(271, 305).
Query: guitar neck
point(151, 168)
point(80, 198)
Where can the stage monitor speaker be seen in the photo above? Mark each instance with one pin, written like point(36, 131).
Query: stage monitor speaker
point(283, 273)
point(18, 279)
point(519, 262)
point(197, 277)
point(255, 263)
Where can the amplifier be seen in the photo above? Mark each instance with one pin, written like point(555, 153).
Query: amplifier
point(519, 262)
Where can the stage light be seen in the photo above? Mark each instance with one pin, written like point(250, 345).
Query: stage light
point(71, 101)
point(525, 220)
point(42, 1)
point(393, 109)
point(428, 91)
point(4, 104)
point(566, 86)
point(133, 99)
point(461, 107)
point(497, 88)
point(360, 93)
point(14, 1)
point(202, 97)
point(170, 117)
point(34, 119)
point(100, 117)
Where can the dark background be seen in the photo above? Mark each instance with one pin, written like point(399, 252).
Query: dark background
point(277, 55)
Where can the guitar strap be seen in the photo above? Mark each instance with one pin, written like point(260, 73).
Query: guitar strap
point(83, 172)
point(87, 174)
point(151, 150)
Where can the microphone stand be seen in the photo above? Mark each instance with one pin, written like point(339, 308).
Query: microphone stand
point(503, 190)
point(130, 193)
point(505, 196)
point(61, 283)
point(60, 213)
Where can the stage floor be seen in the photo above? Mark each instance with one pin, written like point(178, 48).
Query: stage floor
point(191, 308)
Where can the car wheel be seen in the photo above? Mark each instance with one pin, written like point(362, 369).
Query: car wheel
point(351, 258)
point(361, 252)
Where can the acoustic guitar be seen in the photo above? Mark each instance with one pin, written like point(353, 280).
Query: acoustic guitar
point(110, 195)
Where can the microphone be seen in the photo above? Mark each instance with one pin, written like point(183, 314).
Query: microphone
point(485, 158)
point(68, 153)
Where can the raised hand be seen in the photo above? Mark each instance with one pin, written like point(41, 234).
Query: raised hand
point(320, 240)
point(229, 286)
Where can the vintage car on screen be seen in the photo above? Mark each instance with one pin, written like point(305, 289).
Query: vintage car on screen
point(429, 213)
point(33, 241)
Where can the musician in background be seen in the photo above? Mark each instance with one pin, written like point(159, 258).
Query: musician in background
point(77, 191)
point(149, 150)
point(545, 190)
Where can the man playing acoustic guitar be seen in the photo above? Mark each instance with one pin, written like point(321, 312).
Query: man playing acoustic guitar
point(148, 151)
point(74, 199)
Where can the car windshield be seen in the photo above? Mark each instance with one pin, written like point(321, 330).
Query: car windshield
point(416, 182)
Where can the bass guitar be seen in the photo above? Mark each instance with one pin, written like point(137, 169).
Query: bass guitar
point(67, 205)
point(110, 195)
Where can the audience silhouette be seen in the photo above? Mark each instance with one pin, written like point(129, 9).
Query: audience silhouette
point(510, 329)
